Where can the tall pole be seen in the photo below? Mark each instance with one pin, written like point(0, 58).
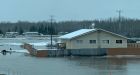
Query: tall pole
point(119, 12)
point(119, 16)
point(51, 29)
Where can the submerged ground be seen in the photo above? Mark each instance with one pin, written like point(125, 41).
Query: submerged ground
point(23, 64)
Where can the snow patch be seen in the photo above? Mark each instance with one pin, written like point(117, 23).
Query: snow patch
point(76, 33)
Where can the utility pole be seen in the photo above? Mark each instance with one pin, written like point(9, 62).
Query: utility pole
point(119, 18)
point(51, 22)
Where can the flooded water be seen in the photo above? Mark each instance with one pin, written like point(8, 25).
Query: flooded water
point(20, 64)
point(23, 64)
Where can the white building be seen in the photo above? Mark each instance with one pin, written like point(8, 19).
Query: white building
point(11, 34)
point(28, 34)
point(93, 38)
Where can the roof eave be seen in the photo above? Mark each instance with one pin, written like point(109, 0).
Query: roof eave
point(113, 33)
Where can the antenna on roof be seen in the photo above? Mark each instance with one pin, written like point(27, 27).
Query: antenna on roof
point(93, 26)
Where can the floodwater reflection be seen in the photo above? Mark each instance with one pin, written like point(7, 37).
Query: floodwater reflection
point(103, 65)
point(74, 65)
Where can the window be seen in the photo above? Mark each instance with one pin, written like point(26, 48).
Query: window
point(92, 41)
point(79, 41)
point(106, 41)
point(119, 41)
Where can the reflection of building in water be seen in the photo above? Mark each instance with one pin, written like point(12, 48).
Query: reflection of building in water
point(103, 65)
point(117, 63)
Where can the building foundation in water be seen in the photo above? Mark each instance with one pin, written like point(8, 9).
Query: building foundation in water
point(135, 50)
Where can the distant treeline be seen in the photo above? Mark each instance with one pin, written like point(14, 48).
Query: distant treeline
point(123, 26)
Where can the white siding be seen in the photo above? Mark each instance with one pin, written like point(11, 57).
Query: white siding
point(99, 37)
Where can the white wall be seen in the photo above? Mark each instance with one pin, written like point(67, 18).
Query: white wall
point(72, 44)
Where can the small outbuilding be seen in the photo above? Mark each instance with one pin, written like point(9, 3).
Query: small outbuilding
point(28, 34)
point(93, 38)
point(11, 34)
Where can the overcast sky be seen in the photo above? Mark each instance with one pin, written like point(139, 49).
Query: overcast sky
point(40, 10)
